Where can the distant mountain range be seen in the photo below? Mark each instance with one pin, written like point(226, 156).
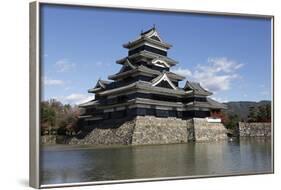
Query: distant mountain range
point(241, 108)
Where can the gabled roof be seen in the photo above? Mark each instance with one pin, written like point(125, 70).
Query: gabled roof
point(140, 69)
point(216, 104)
point(149, 40)
point(210, 103)
point(144, 85)
point(127, 64)
point(152, 33)
point(163, 77)
point(160, 63)
point(175, 76)
point(151, 36)
point(148, 55)
point(146, 70)
point(148, 31)
point(196, 88)
point(100, 85)
point(90, 103)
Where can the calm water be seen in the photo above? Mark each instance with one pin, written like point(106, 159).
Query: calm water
point(59, 165)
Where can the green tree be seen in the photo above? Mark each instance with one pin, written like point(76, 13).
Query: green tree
point(252, 117)
point(232, 121)
point(268, 112)
point(261, 115)
point(48, 115)
point(55, 115)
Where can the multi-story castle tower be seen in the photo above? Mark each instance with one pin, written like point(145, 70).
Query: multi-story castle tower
point(145, 86)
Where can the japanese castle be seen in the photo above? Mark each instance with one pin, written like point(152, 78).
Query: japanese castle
point(145, 86)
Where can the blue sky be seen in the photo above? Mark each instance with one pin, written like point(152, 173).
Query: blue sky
point(230, 56)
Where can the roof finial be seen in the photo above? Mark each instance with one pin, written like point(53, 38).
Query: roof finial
point(154, 27)
point(141, 31)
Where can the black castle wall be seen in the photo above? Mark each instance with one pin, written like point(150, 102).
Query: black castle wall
point(133, 112)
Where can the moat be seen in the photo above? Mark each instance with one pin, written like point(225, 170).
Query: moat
point(66, 164)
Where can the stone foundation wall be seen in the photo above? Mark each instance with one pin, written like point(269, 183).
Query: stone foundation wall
point(103, 134)
point(205, 131)
point(152, 130)
point(254, 129)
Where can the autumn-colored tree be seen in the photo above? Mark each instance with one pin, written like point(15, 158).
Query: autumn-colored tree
point(55, 115)
point(223, 116)
point(233, 120)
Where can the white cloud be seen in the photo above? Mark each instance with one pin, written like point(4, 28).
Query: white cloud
point(223, 64)
point(76, 98)
point(64, 65)
point(216, 75)
point(52, 82)
point(214, 82)
point(182, 72)
point(220, 99)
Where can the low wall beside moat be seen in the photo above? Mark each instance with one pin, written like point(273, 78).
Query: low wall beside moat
point(48, 139)
point(254, 129)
